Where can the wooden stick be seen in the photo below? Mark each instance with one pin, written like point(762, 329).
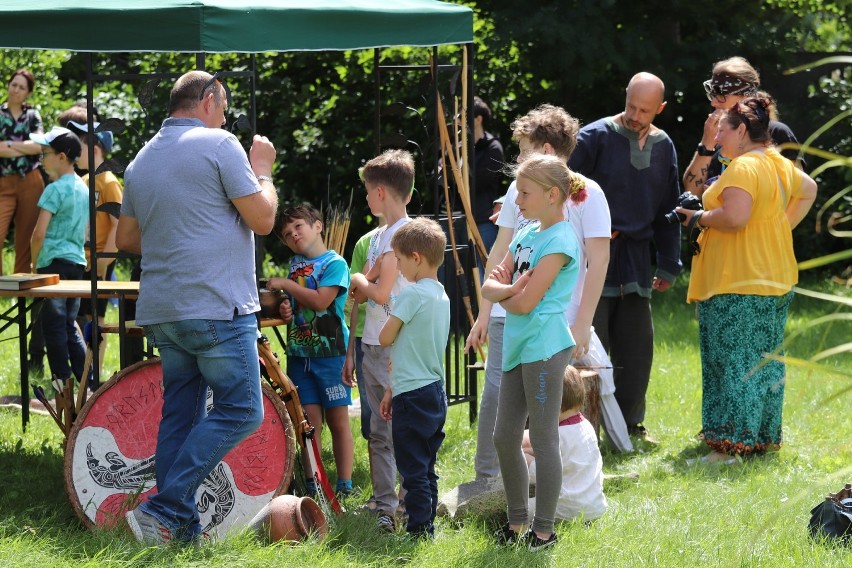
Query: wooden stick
point(445, 141)
point(464, 152)
point(477, 285)
point(81, 394)
point(68, 401)
point(39, 394)
point(462, 284)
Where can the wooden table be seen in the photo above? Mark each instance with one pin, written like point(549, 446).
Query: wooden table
point(17, 313)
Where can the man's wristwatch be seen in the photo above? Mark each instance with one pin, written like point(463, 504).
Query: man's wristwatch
point(705, 151)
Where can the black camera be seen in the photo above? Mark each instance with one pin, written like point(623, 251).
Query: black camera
point(687, 201)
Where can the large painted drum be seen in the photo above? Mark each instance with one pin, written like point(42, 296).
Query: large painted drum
point(109, 460)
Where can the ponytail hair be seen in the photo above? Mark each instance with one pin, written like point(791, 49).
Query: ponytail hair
point(551, 171)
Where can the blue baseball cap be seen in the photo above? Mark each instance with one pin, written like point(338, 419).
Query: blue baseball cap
point(105, 136)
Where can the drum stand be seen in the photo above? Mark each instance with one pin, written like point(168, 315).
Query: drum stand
point(286, 390)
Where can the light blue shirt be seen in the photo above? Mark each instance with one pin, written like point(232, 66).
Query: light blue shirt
point(543, 332)
point(417, 354)
point(67, 199)
point(197, 252)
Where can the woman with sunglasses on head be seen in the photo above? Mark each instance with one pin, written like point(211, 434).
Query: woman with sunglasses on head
point(21, 182)
point(742, 279)
point(733, 80)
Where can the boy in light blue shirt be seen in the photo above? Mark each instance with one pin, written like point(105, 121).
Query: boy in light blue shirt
point(57, 248)
point(417, 332)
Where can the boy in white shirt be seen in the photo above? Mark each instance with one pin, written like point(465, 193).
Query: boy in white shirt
point(388, 179)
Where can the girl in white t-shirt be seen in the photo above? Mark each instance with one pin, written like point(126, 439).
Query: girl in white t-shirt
point(582, 467)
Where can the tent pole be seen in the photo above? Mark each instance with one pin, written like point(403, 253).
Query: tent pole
point(93, 253)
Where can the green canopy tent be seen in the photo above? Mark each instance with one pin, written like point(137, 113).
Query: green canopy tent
point(228, 26)
point(220, 26)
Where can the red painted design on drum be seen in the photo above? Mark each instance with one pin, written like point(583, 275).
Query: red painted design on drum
point(258, 457)
point(132, 410)
point(112, 509)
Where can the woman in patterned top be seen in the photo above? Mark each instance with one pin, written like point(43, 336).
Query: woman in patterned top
point(21, 182)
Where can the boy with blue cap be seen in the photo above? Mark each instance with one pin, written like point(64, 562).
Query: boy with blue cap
point(108, 194)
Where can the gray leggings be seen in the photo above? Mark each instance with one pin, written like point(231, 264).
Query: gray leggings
point(534, 390)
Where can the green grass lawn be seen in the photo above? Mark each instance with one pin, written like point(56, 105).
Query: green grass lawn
point(753, 514)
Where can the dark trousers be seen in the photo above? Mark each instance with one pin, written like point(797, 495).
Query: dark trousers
point(626, 330)
point(418, 432)
point(66, 352)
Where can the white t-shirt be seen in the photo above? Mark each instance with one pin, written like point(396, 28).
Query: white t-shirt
point(589, 219)
point(582, 474)
point(377, 314)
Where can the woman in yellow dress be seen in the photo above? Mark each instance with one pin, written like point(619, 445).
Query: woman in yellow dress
point(741, 281)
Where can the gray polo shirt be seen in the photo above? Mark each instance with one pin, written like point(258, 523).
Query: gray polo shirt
point(197, 253)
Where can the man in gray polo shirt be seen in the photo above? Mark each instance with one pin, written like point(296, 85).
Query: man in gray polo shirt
point(192, 202)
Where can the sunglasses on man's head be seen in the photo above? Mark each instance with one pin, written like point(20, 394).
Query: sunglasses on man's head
point(215, 80)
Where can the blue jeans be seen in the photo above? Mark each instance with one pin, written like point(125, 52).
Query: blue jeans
point(198, 354)
point(418, 431)
point(66, 352)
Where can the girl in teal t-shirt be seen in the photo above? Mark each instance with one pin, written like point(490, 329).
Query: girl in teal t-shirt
point(534, 283)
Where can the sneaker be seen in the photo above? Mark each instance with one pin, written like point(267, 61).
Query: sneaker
point(641, 433)
point(344, 487)
point(370, 506)
point(311, 488)
point(505, 535)
point(418, 536)
point(146, 528)
point(386, 522)
point(535, 543)
point(401, 513)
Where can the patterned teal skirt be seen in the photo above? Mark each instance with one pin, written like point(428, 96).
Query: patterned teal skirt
point(743, 391)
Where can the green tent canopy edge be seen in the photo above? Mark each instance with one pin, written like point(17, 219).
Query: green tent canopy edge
point(229, 26)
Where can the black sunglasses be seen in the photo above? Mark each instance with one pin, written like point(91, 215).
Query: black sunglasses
point(213, 80)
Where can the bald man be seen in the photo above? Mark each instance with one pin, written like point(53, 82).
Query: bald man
point(635, 164)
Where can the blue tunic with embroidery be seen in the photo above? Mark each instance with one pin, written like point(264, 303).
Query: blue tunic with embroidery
point(641, 186)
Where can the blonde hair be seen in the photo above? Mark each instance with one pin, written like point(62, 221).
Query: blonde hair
point(548, 124)
point(423, 236)
point(551, 171)
point(573, 389)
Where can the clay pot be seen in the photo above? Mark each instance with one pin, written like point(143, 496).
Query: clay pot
point(290, 518)
point(270, 300)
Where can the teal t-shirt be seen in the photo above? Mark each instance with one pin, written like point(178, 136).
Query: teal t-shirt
point(324, 333)
point(417, 354)
point(67, 199)
point(544, 331)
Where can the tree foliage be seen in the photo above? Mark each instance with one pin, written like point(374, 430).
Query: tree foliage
point(319, 107)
